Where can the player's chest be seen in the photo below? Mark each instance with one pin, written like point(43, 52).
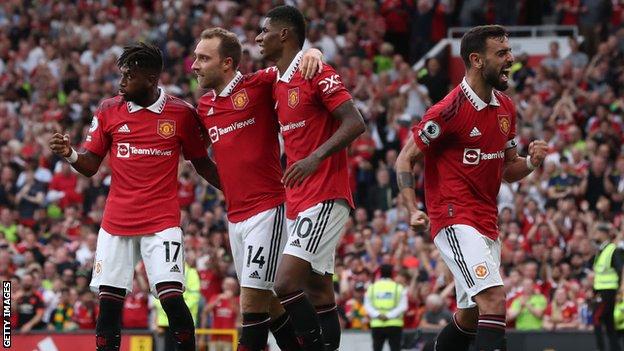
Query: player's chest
point(490, 130)
point(294, 103)
point(157, 130)
point(226, 124)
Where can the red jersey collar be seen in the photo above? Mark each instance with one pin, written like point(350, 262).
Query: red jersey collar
point(474, 99)
point(157, 107)
point(292, 69)
point(231, 85)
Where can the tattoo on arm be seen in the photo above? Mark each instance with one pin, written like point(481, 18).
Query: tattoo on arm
point(405, 180)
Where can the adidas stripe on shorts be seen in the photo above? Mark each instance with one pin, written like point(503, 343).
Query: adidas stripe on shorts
point(257, 244)
point(117, 255)
point(314, 234)
point(473, 258)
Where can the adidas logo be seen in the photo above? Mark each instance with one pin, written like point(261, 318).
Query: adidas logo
point(296, 243)
point(254, 275)
point(124, 129)
point(175, 269)
point(211, 111)
point(475, 132)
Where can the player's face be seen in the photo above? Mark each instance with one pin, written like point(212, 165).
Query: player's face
point(497, 64)
point(208, 65)
point(133, 84)
point(269, 40)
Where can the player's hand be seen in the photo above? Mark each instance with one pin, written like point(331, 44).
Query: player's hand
point(419, 221)
point(300, 170)
point(59, 144)
point(311, 63)
point(538, 150)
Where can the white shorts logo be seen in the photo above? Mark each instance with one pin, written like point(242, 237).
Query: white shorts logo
point(471, 156)
point(214, 134)
point(481, 270)
point(123, 150)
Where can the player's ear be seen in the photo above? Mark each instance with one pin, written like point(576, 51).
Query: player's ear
point(476, 60)
point(284, 32)
point(228, 62)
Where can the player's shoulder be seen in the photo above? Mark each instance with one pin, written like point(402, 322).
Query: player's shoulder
point(265, 75)
point(447, 108)
point(110, 103)
point(175, 101)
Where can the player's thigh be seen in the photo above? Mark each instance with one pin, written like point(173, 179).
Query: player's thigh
point(473, 259)
point(315, 233)
point(163, 256)
point(257, 245)
point(115, 258)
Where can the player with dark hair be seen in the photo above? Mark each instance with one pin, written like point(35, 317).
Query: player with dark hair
point(318, 120)
point(238, 113)
point(468, 144)
point(143, 130)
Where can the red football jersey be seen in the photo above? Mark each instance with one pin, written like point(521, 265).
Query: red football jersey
point(304, 110)
point(144, 147)
point(464, 142)
point(224, 316)
point(243, 129)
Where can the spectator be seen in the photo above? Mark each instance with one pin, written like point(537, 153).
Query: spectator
point(355, 310)
point(561, 313)
point(436, 315)
point(86, 310)
point(63, 314)
point(30, 306)
point(223, 310)
point(528, 309)
point(553, 61)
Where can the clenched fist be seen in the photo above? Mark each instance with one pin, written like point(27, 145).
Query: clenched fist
point(538, 149)
point(59, 144)
point(419, 221)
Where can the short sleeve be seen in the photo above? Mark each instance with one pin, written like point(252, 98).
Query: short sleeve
point(193, 144)
point(431, 130)
point(268, 75)
point(98, 140)
point(330, 89)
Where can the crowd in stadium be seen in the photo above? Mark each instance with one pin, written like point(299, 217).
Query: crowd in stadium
point(57, 61)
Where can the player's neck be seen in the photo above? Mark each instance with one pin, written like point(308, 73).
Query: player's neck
point(227, 78)
point(288, 55)
point(480, 87)
point(149, 99)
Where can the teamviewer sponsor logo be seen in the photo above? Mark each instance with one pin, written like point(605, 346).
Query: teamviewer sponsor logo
point(471, 156)
point(216, 133)
point(474, 156)
point(291, 126)
point(124, 150)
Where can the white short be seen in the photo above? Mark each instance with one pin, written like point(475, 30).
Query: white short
point(473, 258)
point(313, 236)
point(116, 257)
point(257, 244)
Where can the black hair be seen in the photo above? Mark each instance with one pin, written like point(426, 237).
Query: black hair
point(290, 16)
point(142, 56)
point(475, 40)
point(386, 271)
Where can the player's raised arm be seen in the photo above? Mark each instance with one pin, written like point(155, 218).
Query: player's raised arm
point(87, 163)
point(405, 180)
point(517, 167)
point(351, 126)
point(205, 167)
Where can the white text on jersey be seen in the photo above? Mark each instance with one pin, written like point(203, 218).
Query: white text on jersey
point(215, 132)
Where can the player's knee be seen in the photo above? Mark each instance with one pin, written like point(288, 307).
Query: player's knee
point(275, 308)
point(255, 300)
point(284, 286)
point(468, 318)
point(491, 300)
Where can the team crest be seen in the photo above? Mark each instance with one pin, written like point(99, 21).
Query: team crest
point(480, 270)
point(98, 267)
point(504, 124)
point(240, 100)
point(293, 97)
point(166, 128)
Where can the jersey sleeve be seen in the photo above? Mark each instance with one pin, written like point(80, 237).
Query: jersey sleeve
point(330, 89)
point(268, 75)
point(193, 142)
point(431, 130)
point(98, 140)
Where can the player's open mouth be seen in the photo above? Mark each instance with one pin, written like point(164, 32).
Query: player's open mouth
point(504, 75)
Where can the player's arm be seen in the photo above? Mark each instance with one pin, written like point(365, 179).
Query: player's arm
point(517, 167)
point(405, 180)
point(351, 126)
point(368, 305)
point(87, 163)
point(207, 169)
